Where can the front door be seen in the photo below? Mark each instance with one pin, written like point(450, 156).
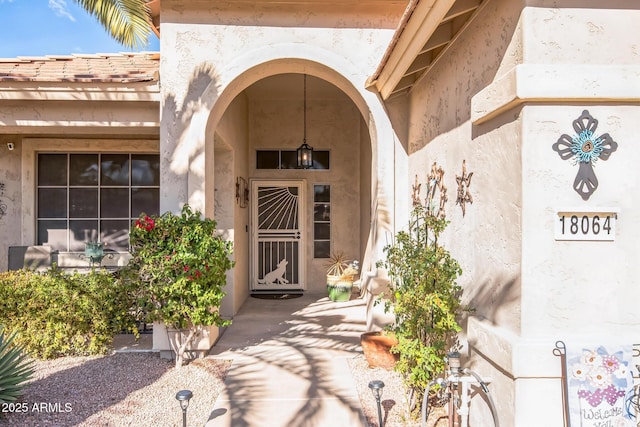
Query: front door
point(278, 238)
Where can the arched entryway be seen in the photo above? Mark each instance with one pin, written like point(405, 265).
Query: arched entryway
point(266, 99)
point(266, 123)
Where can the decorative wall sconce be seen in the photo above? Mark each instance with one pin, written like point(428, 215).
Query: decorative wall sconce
point(464, 181)
point(242, 192)
point(305, 152)
point(585, 148)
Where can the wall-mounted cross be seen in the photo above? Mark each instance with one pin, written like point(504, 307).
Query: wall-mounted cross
point(585, 148)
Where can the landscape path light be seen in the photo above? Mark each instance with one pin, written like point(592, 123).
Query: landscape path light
point(376, 387)
point(183, 396)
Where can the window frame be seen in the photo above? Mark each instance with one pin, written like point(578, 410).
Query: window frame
point(280, 159)
point(30, 147)
point(329, 221)
point(96, 188)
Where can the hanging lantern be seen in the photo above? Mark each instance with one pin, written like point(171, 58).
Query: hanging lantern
point(305, 152)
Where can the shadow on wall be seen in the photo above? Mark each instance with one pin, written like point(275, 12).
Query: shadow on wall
point(181, 115)
point(380, 227)
point(496, 299)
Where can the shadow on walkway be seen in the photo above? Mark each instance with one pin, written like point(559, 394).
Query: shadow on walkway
point(290, 364)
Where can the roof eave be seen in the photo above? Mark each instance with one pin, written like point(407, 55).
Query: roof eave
point(419, 23)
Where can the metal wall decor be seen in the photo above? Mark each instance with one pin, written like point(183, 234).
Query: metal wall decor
point(463, 195)
point(415, 192)
point(585, 148)
point(3, 206)
point(436, 192)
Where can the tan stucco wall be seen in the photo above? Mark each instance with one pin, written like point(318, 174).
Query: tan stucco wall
point(10, 196)
point(501, 96)
point(440, 131)
point(233, 132)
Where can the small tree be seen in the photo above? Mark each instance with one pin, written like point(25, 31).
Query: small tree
point(424, 298)
point(180, 262)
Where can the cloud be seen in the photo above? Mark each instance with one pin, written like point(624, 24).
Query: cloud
point(60, 8)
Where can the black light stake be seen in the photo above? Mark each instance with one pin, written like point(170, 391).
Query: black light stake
point(305, 153)
point(376, 387)
point(183, 396)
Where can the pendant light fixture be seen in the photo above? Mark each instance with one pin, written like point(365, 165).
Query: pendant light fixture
point(305, 152)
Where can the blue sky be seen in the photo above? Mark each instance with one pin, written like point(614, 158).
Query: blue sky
point(53, 27)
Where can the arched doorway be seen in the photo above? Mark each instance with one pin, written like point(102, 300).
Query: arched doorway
point(332, 198)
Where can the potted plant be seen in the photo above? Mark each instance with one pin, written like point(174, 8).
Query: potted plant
point(340, 276)
point(424, 299)
point(180, 262)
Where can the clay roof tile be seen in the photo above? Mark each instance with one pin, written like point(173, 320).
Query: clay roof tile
point(101, 67)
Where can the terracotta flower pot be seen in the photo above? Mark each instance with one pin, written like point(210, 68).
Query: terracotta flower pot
point(376, 347)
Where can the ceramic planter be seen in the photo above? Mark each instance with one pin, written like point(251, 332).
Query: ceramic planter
point(339, 288)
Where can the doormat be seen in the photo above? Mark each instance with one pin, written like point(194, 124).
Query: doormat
point(276, 296)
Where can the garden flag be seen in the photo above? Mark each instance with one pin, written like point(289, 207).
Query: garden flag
point(600, 386)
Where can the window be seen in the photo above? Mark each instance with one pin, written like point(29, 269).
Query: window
point(94, 197)
point(288, 159)
point(321, 221)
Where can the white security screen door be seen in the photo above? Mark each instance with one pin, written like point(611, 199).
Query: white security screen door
point(277, 230)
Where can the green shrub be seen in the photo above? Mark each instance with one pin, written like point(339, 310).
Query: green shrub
point(424, 299)
point(15, 369)
point(58, 314)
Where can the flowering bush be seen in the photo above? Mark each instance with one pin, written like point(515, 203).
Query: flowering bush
point(180, 262)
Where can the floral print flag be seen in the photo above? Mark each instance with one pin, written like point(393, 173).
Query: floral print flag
point(600, 384)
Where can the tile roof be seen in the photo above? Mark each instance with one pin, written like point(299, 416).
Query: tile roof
point(102, 67)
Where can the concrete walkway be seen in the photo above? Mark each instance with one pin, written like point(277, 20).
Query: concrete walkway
point(290, 364)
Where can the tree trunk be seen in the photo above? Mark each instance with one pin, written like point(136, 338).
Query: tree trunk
point(193, 332)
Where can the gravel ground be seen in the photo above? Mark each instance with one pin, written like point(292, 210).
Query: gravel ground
point(393, 402)
point(122, 389)
point(138, 389)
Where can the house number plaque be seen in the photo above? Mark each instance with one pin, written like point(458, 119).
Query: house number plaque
point(574, 224)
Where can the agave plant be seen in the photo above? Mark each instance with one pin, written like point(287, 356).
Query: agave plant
point(15, 369)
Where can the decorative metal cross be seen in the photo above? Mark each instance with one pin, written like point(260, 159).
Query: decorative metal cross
point(585, 148)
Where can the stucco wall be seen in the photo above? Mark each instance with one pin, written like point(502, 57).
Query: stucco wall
point(10, 196)
point(528, 289)
point(231, 38)
point(486, 239)
point(233, 134)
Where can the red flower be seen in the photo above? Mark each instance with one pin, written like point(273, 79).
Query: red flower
point(186, 268)
point(147, 223)
point(198, 274)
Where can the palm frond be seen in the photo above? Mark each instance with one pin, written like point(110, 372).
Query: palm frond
point(127, 21)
